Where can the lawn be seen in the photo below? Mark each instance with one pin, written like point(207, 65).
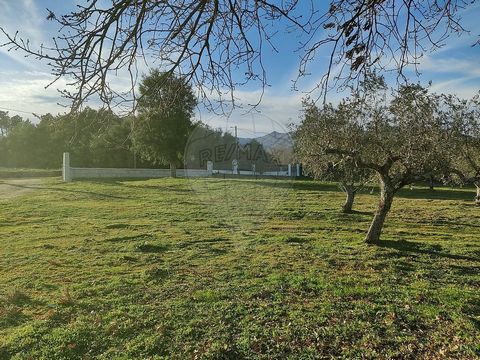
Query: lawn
point(238, 269)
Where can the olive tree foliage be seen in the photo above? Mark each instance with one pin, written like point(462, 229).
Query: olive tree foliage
point(313, 138)
point(401, 139)
point(164, 123)
point(464, 125)
point(218, 45)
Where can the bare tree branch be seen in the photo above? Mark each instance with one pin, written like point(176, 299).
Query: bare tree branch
point(219, 44)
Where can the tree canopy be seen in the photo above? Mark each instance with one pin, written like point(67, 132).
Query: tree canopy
point(401, 139)
point(464, 124)
point(165, 118)
point(312, 141)
point(94, 138)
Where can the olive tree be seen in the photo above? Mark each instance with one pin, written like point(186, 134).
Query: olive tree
point(463, 118)
point(401, 140)
point(164, 121)
point(311, 142)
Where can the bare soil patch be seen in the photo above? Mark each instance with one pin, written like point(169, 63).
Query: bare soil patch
point(14, 187)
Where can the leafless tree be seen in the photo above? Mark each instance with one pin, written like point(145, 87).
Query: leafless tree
point(206, 41)
point(365, 36)
point(219, 44)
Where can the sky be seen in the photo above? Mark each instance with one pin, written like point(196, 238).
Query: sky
point(455, 68)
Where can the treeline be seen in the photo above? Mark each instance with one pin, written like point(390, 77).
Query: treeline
point(100, 138)
point(94, 138)
point(159, 136)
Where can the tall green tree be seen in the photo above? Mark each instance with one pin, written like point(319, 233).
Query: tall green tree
point(165, 111)
point(95, 138)
point(7, 123)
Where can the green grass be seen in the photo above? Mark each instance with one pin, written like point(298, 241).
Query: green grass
point(217, 269)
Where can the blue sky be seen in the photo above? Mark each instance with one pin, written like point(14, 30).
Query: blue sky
point(453, 69)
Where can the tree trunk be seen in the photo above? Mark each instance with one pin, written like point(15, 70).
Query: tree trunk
point(431, 183)
point(173, 170)
point(477, 198)
point(386, 198)
point(347, 206)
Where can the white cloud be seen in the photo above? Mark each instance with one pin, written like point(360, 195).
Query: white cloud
point(31, 27)
point(280, 106)
point(277, 110)
point(454, 65)
point(454, 75)
point(25, 91)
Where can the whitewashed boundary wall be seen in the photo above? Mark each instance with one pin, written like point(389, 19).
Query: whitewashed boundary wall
point(71, 173)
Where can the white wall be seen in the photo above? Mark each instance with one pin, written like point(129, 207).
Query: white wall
point(92, 173)
point(72, 173)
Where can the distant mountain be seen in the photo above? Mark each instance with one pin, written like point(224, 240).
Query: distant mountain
point(271, 141)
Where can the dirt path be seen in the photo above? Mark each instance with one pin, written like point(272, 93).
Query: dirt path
point(13, 187)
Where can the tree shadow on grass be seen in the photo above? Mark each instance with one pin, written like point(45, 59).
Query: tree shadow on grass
point(471, 308)
point(151, 248)
point(357, 212)
point(131, 184)
point(303, 185)
point(415, 193)
point(437, 194)
point(189, 243)
point(156, 187)
point(12, 316)
point(449, 222)
point(406, 247)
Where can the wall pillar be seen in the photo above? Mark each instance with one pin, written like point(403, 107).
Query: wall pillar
point(289, 169)
point(209, 168)
point(66, 170)
point(235, 166)
point(298, 170)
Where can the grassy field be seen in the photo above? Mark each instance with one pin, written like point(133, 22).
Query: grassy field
point(235, 269)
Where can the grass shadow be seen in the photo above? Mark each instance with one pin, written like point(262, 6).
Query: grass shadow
point(189, 243)
point(131, 183)
point(156, 187)
point(357, 212)
point(405, 246)
point(416, 193)
point(304, 185)
point(151, 248)
point(437, 194)
point(68, 191)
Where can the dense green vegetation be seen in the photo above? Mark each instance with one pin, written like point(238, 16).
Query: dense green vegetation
point(99, 138)
point(236, 269)
point(93, 138)
point(6, 173)
point(166, 108)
